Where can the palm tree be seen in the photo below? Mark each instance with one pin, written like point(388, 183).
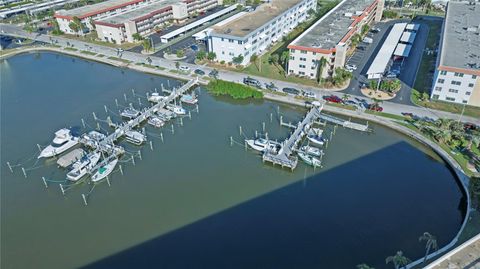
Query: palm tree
point(253, 59)
point(430, 242)
point(364, 266)
point(345, 97)
point(399, 261)
point(321, 66)
point(177, 65)
point(149, 60)
point(137, 37)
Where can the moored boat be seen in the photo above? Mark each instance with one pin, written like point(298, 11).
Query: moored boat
point(63, 141)
point(156, 97)
point(82, 166)
point(263, 145)
point(315, 136)
point(178, 110)
point(104, 170)
point(135, 137)
point(155, 121)
point(130, 113)
point(309, 159)
point(189, 99)
point(312, 151)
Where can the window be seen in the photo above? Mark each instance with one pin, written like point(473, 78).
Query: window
point(223, 52)
point(303, 59)
point(456, 74)
point(443, 73)
point(458, 83)
point(450, 99)
point(301, 73)
point(453, 90)
point(311, 74)
point(302, 66)
point(474, 76)
point(464, 101)
point(468, 93)
point(230, 40)
point(303, 52)
point(441, 81)
point(240, 42)
point(435, 96)
point(438, 89)
point(470, 85)
point(223, 39)
point(231, 54)
point(314, 53)
point(292, 58)
point(313, 68)
point(292, 51)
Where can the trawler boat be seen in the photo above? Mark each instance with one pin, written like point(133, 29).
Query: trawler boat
point(263, 145)
point(135, 137)
point(130, 113)
point(104, 170)
point(165, 115)
point(309, 159)
point(82, 166)
point(156, 97)
point(189, 99)
point(93, 138)
point(155, 121)
point(63, 141)
point(315, 136)
point(312, 151)
point(178, 110)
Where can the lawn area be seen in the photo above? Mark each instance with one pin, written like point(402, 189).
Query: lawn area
point(386, 115)
point(119, 59)
point(235, 90)
point(341, 106)
point(445, 106)
point(71, 49)
point(88, 52)
point(92, 38)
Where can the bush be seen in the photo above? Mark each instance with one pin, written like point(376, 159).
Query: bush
point(390, 14)
point(235, 90)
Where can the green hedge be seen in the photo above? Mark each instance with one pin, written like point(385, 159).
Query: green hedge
point(235, 90)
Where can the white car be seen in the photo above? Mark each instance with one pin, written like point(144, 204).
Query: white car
point(309, 94)
point(350, 67)
point(184, 68)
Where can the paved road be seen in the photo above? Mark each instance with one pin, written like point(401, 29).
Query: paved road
point(389, 107)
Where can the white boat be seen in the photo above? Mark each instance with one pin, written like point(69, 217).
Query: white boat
point(135, 137)
point(312, 151)
point(104, 170)
point(178, 110)
point(263, 145)
point(130, 113)
point(165, 115)
point(155, 121)
point(82, 166)
point(63, 141)
point(93, 138)
point(315, 136)
point(156, 97)
point(309, 159)
point(189, 99)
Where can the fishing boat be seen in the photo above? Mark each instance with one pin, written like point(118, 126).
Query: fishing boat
point(312, 151)
point(309, 159)
point(178, 110)
point(104, 170)
point(93, 138)
point(189, 99)
point(315, 136)
point(135, 137)
point(156, 97)
point(63, 141)
point(156, 121)
point(165, 115)
point(82, 166)
point(263, 145)
point(130, 113)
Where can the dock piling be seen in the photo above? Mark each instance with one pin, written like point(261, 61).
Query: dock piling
point(161, 137)
point(121, 169)
point(140, 154)
point(108, 181)
point(94, 116)
point(61, 188)
point(105, 107)
point(190, 114)
point(231, 141)
point(198, 111)
point(133, 160)
point(83, 123)
point(271, 117)
point(84, 199)
point(173, 130)
point(181, 121)
point(125, 97)
point(263, 127)
point(9, 167)
point(116, 102)
point(133, 92)
point(45, 182)
point(98, 126)
point(24, 173)
point(151, 145)
point(240, 129)
point(39, 147)
point(139, 101)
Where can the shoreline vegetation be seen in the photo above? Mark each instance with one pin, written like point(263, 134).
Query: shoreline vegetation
point(235, 90)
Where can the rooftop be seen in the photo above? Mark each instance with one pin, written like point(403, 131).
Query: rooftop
point(90, 10)
point(327, 32)
point(139, 12)
point(461, 40)
point(251, 21)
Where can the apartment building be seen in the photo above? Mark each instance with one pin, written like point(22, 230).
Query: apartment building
point(253, 32)
point(330, 38)
point(118, 20)
point(457, 77)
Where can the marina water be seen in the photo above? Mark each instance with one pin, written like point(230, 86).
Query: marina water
point(194, 201)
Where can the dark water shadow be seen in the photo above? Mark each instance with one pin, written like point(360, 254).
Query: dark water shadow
point(319, 222)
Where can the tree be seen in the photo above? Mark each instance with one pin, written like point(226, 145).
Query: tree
point(274, 58)
point(79, 24)
point(137, 37)
point(177, 65)
point(365, 29)
point(201, 55)
point(211, 56)
point(73, 26)
point(284, 57)
point(321, 65)
point(430, 243)
point(253, 59)
point(355, 40)
point(364, 266)
point(147, 46)
point(238, 59)
point(180, 53)
point(149, 60)
point(399, 261)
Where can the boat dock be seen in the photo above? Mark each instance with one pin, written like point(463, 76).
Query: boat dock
point(344, 123)
point(284, 156)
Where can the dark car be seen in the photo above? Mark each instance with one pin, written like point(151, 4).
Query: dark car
point(213, 73)
point(271, 86)
point(333, 99)
point(291, 91)
point(360, 48)
point(199, 72)
point(252, 82)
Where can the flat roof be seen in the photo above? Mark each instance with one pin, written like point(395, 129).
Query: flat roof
point(327, 32)
point(402, 50)
point(461, 39)
point(413, 26)
point(251, 21)
point(380, 62)
point(408, 37)
point(90, 10)
point(137, 13)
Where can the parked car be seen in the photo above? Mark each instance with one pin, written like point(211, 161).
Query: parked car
point(333, 99)
point(351, 103)
point(350, 67)
point(367, 40)
point(376, 108)
point(391, 75)
point(213, 73)
point(184, 68)
point(199, 72)
point(291, 91)
point(309, 94)
point(271, 86)
point(360, 48)
point(469, 126)
point(252, 82)
point(375, 30)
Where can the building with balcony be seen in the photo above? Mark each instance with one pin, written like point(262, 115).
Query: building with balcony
point(252, 32)
point(330, 38)
point(457, 76)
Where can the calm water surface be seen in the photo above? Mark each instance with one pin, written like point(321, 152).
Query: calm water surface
point(196, 202)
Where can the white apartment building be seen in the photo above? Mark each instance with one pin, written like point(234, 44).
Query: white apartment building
point(253, 32)
point(457, 78)
point(330, 38)
point(117, 20)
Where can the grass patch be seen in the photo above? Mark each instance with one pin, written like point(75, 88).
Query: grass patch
point(445, 106)
point(386, 115)
point(353, 108)
point(100, 55)
point(88, 52)
point(71, 49)
point(119, 59)
point(235, 90)
point(92, 38)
